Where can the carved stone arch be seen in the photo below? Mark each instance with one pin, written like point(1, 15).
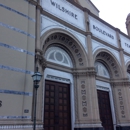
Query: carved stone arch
point(110, 62)
point(68, 43)
point(128, 67)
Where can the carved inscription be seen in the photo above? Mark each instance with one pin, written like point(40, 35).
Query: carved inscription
point(121, 103)
point(69, 43)
point(103, 32)
point(63, 9)
point(127, 45)
point(0, 103)
point(83, 97)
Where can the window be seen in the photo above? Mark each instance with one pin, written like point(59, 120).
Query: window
point(101, 70)
point(59, 56)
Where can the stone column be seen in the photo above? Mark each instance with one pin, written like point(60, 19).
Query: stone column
point(120, 93)
point(40, 62)
point(121, 52)
point(88, 111)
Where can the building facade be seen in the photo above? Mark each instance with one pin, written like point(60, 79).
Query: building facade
point(85, 63)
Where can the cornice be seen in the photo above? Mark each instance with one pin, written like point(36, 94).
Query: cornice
point(90, 71)
point(84, 10)
point(105, 43)
point(124, 82)
point(102, 78)
point(88, 33)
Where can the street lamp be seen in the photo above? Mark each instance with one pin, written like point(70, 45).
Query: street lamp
point(36, 79)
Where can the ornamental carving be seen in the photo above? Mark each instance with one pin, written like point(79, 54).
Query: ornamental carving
point(62, 39)
point(84, 99)
point(40, 59)
point(109, 60)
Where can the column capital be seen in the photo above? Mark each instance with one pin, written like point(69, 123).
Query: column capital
point(88, 33)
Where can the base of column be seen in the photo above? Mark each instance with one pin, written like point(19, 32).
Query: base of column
point(122, 127)
point(96, 128)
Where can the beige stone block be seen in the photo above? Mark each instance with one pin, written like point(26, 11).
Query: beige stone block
point(31, 27)
point(16, 59)
point(32, 11)
point(12, 80)
point(16, 39)
point(11, 105)
point(27, 104)
point(19, 5)
point(31, 45)
point(12, 58)
point(13, 38)
point(13, 19)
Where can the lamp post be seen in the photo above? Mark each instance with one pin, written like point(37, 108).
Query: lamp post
point(36, 79)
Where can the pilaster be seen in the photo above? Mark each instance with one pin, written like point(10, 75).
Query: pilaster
point(121, 101)
point(121, 52)
point(86, 90)
point(86, 104)
point(41, 62)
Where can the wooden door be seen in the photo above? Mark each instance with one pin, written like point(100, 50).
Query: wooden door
point(57, 115)
point(105, 110)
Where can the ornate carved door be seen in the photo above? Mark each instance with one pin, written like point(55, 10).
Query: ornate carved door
point(105, 110)
point(57, 115)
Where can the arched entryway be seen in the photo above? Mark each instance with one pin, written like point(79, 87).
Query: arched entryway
point(57, 101)
point(107, 69)
point(63, 55)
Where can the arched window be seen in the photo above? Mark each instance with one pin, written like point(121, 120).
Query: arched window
point(59, 56)
point(128, 75)
point(101, 70)
point(128, 72)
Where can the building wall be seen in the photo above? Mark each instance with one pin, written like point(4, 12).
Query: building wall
point(17, 51)
point(85, 44)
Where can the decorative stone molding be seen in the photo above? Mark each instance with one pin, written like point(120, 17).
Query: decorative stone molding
point(39, 58)
point(72, 47)
point(109, 61)
point(125, 84)
point(32, 2)
point(39, 51)
point(88, 33)
point(59, 79)
point(19, 126)
point(103, 88)
point(121, 49)
point(90, 71)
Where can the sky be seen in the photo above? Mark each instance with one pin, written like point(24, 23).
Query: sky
point(114, 12)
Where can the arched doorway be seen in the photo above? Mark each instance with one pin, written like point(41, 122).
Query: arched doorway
point(103, 92)
point(63, 55)
point(106, 69)
point(57, 101)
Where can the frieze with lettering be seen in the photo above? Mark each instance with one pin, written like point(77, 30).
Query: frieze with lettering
point(66, 12)
point(125, 43)
point(63, 9)
point(84, 101)
point(122, 109)
point(103, 32)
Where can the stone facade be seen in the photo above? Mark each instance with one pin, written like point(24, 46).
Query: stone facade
point(71, 46)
